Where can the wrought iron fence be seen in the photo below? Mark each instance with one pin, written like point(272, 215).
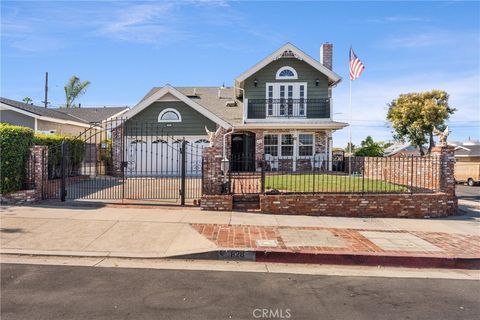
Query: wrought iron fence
point(275, 175)
point(287, 108)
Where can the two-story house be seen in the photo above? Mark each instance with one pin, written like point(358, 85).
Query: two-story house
point(280, 110)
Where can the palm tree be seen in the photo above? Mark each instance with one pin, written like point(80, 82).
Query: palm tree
point(74, 89)
point(27, 100)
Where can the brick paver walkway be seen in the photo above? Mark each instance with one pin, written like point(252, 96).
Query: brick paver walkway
point(343, 241)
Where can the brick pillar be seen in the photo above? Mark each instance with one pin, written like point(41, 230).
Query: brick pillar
point(117, 150)
point(40, 167)
point(212, 171)
point(212, 165)
point(447, 178)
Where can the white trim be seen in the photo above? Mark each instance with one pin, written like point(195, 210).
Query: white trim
point(335, 78)
point(332, 125)
point(294, 77)
point(179, 115)
point(39, 117)
point(117, 114)
point(169, 89)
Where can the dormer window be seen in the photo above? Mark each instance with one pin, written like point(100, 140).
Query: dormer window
point(286, 73)
point(169, 115)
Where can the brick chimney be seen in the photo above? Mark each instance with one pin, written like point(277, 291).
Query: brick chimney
point(326, 51)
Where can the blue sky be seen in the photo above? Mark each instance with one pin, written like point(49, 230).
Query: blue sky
point(125, 48)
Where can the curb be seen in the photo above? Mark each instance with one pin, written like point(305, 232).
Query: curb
point(284, 257)
point(338, 259)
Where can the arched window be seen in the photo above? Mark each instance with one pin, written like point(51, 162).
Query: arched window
point(169, 115)
point(286, 73)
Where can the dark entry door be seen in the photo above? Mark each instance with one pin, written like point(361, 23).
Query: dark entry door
point(243, 152)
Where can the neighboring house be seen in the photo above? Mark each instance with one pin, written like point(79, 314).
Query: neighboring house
point(70, 121)
point(467, 153)
point(402, 150)
point(280, 109)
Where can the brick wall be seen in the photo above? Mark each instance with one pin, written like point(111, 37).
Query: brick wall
point(360, 205)
point(417, 173)
point(441, 202)
point(217, 202)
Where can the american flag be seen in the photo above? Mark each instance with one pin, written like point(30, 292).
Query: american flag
point(356, 66)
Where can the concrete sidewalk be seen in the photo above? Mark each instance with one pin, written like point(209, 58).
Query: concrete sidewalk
point(159, 232)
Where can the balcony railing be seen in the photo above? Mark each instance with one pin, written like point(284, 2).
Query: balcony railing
point(288, 108)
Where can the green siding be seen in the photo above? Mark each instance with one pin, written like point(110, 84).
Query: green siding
point(305, 72)
point(146, 121)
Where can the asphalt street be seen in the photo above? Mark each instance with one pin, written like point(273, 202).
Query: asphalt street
point(61, 292)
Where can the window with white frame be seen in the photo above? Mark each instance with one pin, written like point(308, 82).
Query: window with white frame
point(270, 142)
point(286, 73)
point(287, 145)
point(305, 144)
point(169, 115)
point(284, 145)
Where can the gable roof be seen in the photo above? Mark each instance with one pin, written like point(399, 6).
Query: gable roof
point(467, 151)
point(206, 102)
point(332, 76)
point(40, 111)
point(92, 115)
point(208, 98)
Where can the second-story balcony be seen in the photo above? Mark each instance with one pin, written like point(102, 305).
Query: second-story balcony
point(288, 108)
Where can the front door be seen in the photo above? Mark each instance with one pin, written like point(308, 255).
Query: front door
point(286, 99)
point(243, 152)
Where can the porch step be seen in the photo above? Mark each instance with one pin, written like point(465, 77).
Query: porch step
point(246, 202)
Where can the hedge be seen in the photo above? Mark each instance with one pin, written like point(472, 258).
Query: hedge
point(76, 153)
point(15, 143)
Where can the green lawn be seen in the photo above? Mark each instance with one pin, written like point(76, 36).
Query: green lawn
point(328, 183)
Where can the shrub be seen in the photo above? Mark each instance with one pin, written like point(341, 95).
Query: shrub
point(76, 153)
point(15, 143)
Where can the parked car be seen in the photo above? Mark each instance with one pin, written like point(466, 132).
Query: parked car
point(468, 172)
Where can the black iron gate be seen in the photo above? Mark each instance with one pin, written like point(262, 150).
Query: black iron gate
point(124, 159)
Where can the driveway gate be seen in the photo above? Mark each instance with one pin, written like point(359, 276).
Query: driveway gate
point(123, 159)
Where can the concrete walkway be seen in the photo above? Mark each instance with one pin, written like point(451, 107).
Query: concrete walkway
point(148, 232)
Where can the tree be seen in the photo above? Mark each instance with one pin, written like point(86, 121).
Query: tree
point(27, 100)
point(369, 148)
point(414, 115)
point(74, 89)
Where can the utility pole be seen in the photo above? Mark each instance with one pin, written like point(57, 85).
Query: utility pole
point(46, 90)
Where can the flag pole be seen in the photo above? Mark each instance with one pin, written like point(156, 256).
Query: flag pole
point(350, 131)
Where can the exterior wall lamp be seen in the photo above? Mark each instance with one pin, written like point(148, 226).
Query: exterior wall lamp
point(317, 82)
point(255, 82)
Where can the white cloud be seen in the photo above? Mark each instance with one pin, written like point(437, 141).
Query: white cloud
point(396, 19)
point(146, 23)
